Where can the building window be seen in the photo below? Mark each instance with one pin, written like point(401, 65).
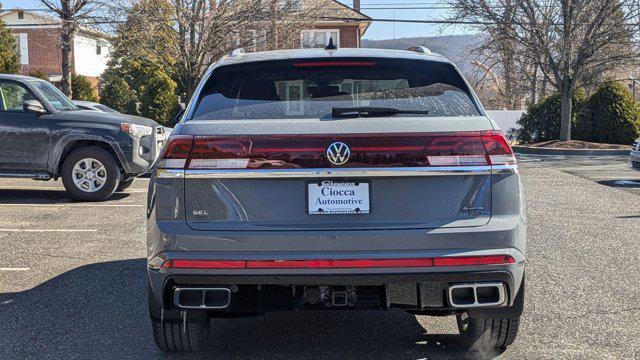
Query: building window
point(319, 38)
point(20, 15)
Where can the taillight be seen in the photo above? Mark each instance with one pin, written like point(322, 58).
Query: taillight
point(176, 152)
point(470, 148)
point(479, 148)
point(498, 150)
point(216, 153)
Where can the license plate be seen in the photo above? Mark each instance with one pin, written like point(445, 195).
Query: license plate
point(338, 197)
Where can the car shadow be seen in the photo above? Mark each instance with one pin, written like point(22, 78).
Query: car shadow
point(621, 183)
point(45, 197)
point(100, 311)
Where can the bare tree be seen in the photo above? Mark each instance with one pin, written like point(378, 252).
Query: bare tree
point(71, 13)
point(283, 20)
point(184, 37)
point(571, 41)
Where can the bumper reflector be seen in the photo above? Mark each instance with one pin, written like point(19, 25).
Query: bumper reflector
point(340, 264)
point(204, 264)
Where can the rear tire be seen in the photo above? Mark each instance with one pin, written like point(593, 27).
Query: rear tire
point(174, 337)
point(82, 182)
point(125, 184)
point(485, 334)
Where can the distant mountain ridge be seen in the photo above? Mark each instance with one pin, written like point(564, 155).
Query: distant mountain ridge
point(452, 47)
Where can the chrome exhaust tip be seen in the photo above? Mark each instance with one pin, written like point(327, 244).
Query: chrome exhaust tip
point(215, 298)
point(474, 295)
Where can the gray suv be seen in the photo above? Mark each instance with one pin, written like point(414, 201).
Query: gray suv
point(351, 179)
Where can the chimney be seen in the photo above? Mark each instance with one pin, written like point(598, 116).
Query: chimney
point(356, 5)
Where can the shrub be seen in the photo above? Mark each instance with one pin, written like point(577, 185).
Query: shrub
point(612, 115)
point(39, 74)
point(118, 95)
point(82, 89)
point(541, 122)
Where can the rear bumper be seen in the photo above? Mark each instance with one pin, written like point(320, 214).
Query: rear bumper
point(414, 289)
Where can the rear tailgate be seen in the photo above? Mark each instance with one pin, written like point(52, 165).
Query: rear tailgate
point(243, 178)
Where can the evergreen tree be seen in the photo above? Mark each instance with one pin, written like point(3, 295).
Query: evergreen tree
point(82, 89)
point(9, 59)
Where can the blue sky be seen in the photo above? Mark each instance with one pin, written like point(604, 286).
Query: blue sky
point(420, 10)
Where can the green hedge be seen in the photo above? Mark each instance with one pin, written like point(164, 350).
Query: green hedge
point(611, 115)
point(541, 122)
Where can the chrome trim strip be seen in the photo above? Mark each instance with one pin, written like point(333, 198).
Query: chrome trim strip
point(170, 173)
point(338, 172)
point(505, 169)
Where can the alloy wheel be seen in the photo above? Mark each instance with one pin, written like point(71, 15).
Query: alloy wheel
point(89, 175)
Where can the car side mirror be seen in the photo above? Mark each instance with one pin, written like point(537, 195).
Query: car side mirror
point(34, 107)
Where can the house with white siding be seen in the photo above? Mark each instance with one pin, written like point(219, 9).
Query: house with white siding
point(38, 37)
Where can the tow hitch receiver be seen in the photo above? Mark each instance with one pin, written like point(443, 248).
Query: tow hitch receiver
point(340, 297)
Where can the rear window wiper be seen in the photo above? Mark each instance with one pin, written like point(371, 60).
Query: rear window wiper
point(369, 111)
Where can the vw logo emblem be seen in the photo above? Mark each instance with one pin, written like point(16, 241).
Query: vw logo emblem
point(338, 153)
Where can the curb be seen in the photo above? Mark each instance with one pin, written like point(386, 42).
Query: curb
point(527, 150)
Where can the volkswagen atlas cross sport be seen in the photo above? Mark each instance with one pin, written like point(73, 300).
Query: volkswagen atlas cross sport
point(337, 180)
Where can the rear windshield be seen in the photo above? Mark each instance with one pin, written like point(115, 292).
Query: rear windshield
point(311, 88)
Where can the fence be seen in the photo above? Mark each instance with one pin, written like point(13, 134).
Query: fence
point(506, 119)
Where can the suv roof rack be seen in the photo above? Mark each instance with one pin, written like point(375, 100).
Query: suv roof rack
point(420, 49)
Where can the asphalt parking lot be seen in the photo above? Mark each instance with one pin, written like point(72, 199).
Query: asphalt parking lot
point(72, 280)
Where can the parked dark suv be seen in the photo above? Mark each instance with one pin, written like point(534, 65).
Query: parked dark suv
point(45, 136)
point(335, 180)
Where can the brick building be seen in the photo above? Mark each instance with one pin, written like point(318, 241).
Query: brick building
point(39, 46)
point(345, 25)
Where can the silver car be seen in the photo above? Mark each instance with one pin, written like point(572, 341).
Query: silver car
point(635, 155)
point(93, 106)
point(335, 180)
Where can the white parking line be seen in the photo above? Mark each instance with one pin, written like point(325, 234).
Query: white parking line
point(48, 230)
point(57, 188)
point(76, 205)
point(14, 269)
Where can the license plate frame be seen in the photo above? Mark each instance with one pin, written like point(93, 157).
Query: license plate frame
point(362, 192)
